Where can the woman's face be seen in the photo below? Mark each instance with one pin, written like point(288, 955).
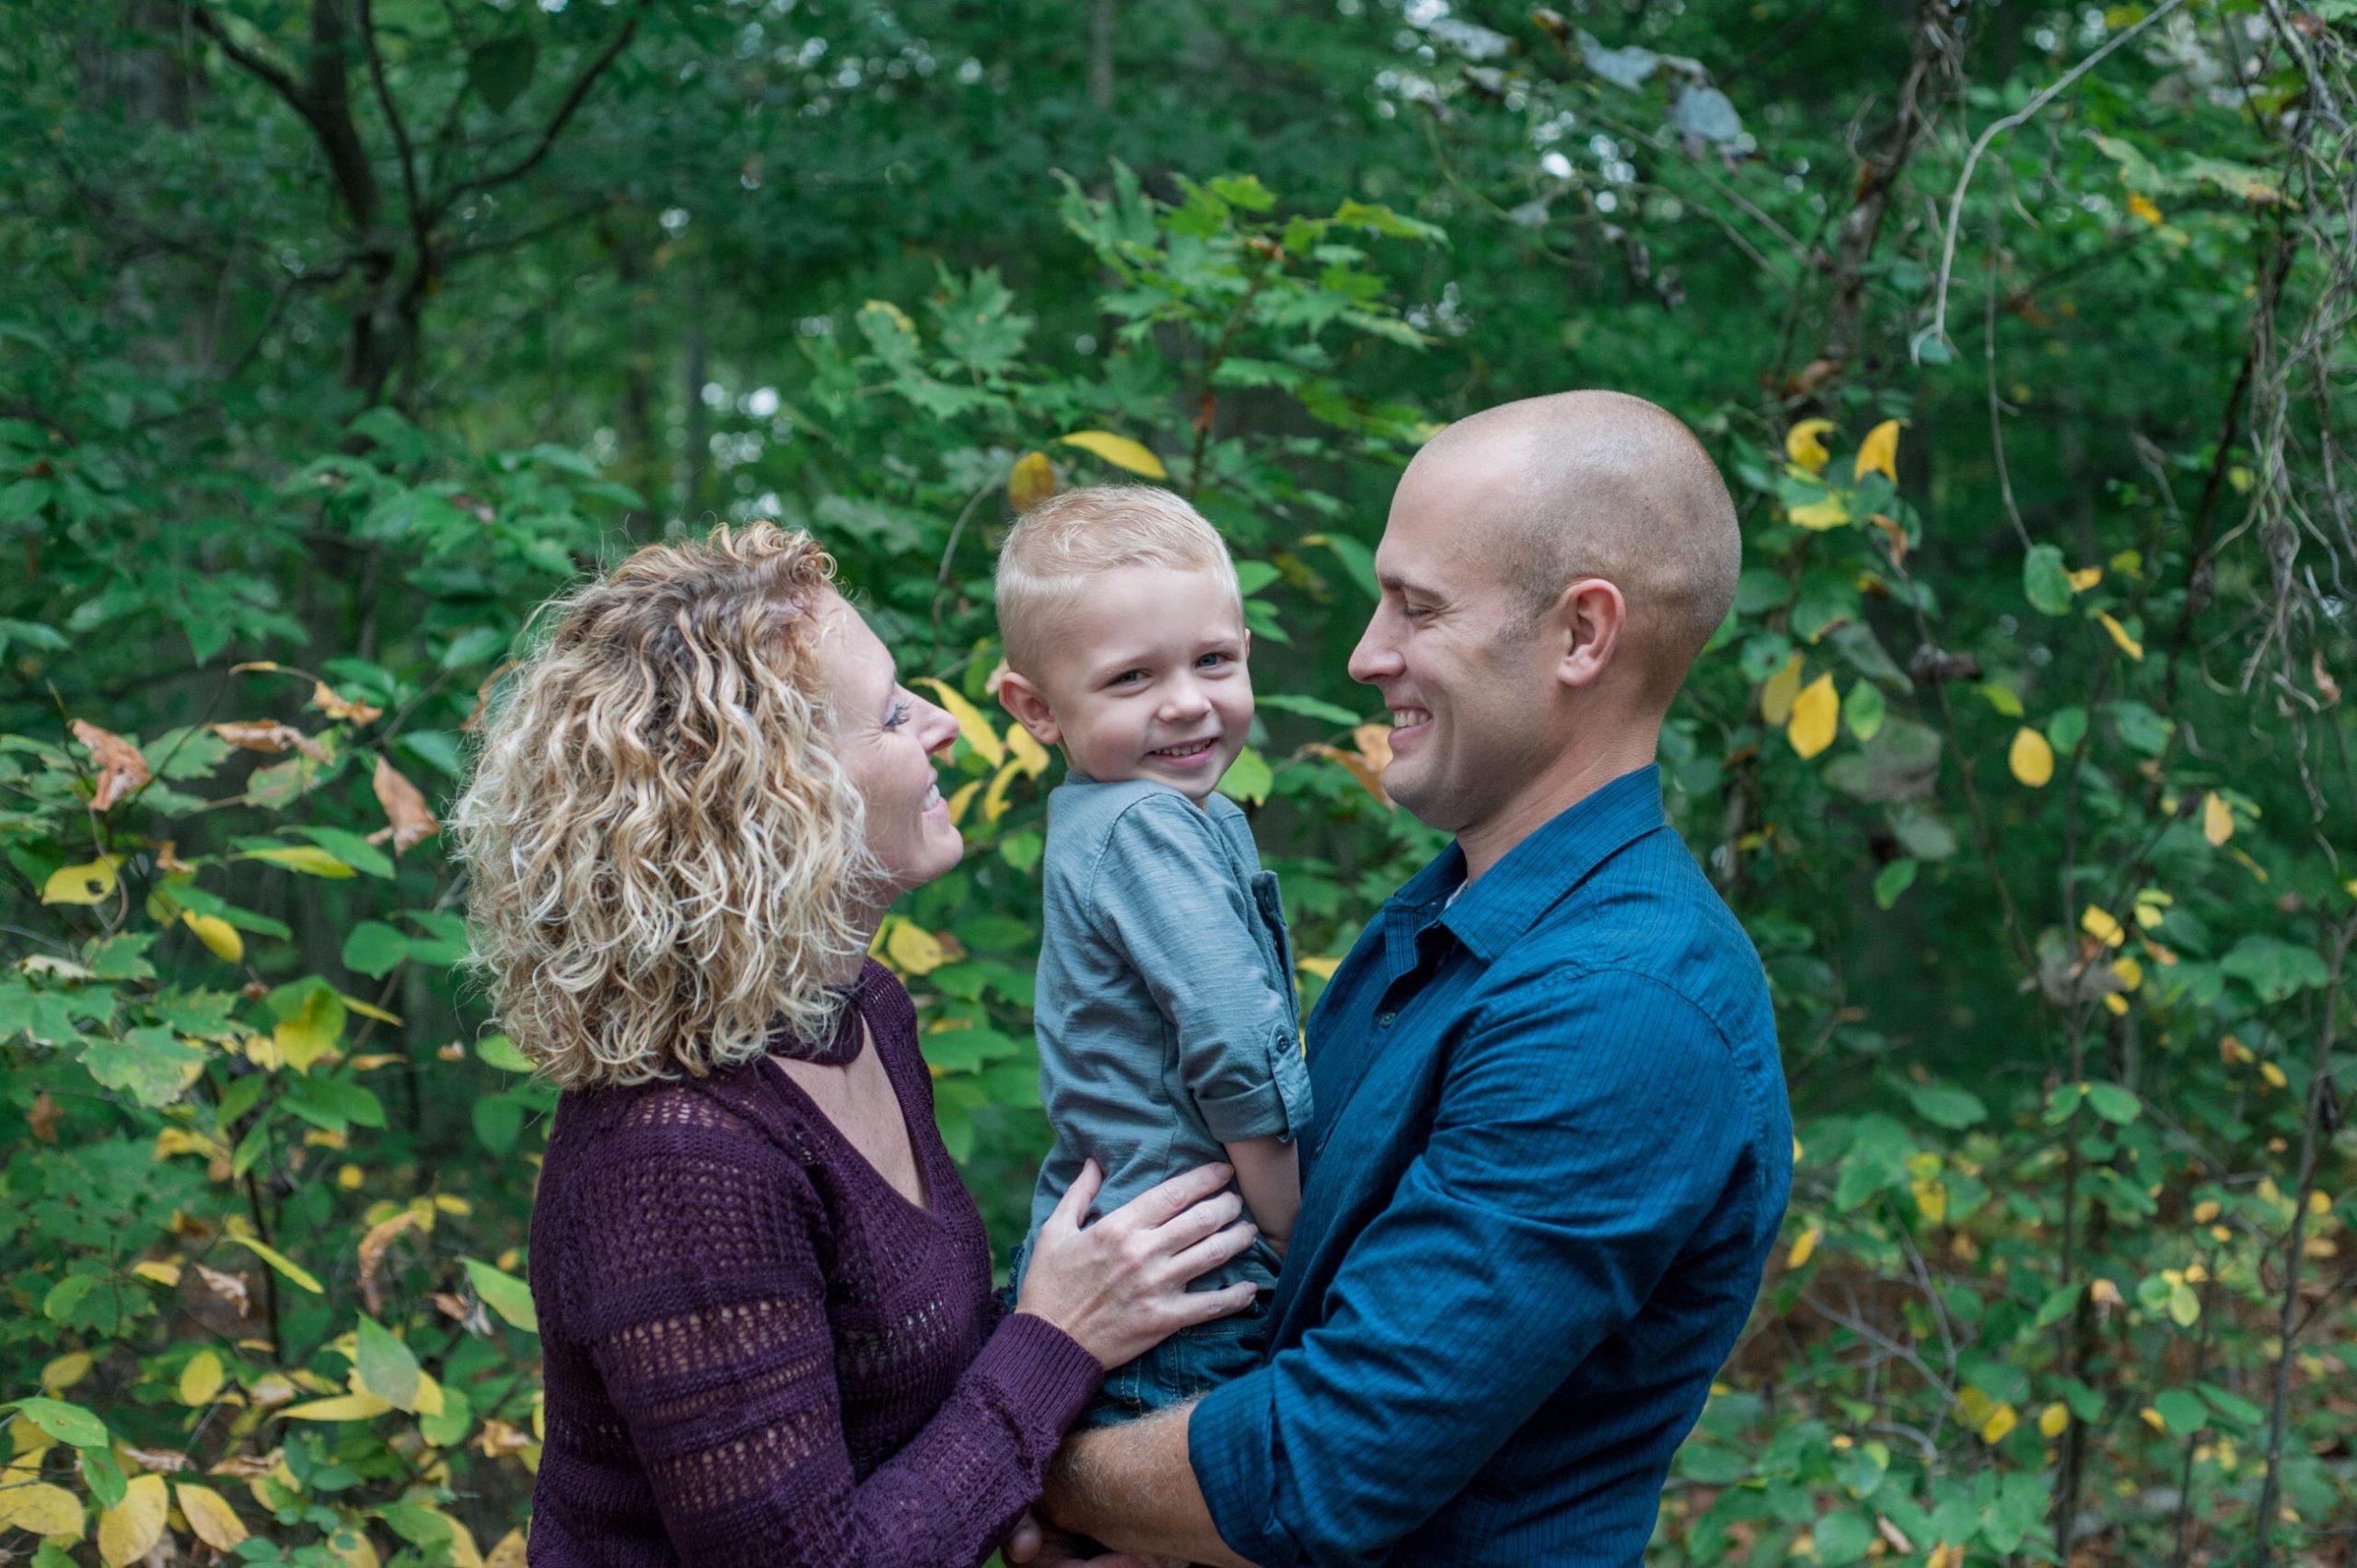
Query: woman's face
point(886, 737)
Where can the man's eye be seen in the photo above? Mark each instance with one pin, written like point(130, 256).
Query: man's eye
point(1415, 611)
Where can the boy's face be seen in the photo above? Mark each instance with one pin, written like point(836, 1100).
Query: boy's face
point(1143, 678)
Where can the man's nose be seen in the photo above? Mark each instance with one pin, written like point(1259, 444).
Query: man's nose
point(1376, 658)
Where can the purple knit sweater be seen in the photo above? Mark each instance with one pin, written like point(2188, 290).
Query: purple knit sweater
point(755, 1351)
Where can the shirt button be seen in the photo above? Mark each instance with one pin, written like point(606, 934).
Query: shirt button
point(1383, 1020)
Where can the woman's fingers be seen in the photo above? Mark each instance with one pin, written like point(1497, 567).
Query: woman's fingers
point(1206, 1219)
point(1073, 1207)
point(1213, 1251)
point(1160, 1206)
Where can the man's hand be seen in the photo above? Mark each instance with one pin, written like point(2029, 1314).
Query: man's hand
point(1044, 1546)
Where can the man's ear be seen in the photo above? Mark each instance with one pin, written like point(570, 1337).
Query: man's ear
point(1587, 622)
point(1019, 696)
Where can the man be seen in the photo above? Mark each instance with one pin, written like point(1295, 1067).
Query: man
point(1551, 1149)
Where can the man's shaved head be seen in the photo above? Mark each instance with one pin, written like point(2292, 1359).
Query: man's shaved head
point(1598, 485)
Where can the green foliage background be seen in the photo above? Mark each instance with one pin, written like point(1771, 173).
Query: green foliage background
point(340, 335)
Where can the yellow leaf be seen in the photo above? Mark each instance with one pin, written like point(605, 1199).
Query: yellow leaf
point(282, 1263)
point(308, 859)
point(1322, 968)
point(2153, 1419)
point(1819, 515)
point(1879, 452)
point(2053, 1420)
point(1032, 480)
point(1945, 1556)
point(1120, 451)
point(1027, 753)
point(1776, 693)
point(65, 1372)
point(2000, 1420)
point(2319, 1202)
point(2273, 1073)
point(2206, 1211)
point(369, 1010)
point(508, 1553)
point(2130, 972)
point(200, 1379)
point(1931, 1200)
point(1816, 714)
point(2217, 819)
point(163, 1273)
point(971, 726)
point(2105, 1292)
point(216, 934)
point(344, 1407)
point(2116, 1004)
point(81, 884)
point(994, 801)
point(2085, 578)
point(963, 798)
point(215, 1523)
point(1804, 444)
point(40, 1509)
point(309, 1034)
point(130, 1528)
point(913, 949)
point(2128, 645)
point(2031, 757)
point(1806, 1248)
point(2140, 205)
point(2100, 925)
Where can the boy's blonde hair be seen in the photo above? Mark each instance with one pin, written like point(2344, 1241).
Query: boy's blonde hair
point(1056, 547)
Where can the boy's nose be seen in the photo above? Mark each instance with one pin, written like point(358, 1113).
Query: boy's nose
point(1186, 700)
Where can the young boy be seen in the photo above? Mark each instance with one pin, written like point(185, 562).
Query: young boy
point(1168, 1035)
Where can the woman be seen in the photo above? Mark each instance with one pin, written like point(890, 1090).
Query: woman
point(764, 1295)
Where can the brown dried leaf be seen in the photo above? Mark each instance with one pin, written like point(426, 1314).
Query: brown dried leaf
point(43, 1117)
point(1366, 763)
point(121, 767)
point(253, 1464)
point(410, 821)
point(373, 1247)
point(483, 698)
point(162, 1460)
point(230, 1288)
point(2326, 686)
point(326, 699)
point(499, 1437)
point(168, 857)
point(262, 734)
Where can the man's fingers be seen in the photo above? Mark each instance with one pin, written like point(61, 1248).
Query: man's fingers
point(1213, 1251)
point(1073, 1207)
point(1160, 1206)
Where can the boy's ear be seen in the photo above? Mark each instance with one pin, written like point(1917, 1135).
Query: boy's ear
point(1019, 696)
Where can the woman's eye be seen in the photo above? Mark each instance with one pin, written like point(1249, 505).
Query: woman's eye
point(897, 715)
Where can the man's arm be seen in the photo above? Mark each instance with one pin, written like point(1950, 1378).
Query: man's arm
point(1583, 1133)
point(1131, 1487)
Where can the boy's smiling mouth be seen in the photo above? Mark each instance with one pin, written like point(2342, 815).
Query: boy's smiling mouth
point(1185, 751)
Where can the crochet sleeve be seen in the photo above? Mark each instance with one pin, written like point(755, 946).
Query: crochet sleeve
point(700, 1294)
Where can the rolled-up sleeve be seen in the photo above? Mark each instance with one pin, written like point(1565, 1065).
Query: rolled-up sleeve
point(1166, 892)
point(1583, 1132)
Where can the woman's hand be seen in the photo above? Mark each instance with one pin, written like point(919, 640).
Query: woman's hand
point(1119, 1286)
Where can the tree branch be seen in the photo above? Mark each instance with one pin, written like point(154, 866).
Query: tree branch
point(572, 100)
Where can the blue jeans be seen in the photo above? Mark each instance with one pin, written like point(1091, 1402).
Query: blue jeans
point(1189, 1363)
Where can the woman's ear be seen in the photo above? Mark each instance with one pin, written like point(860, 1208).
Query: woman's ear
point(1019, 696)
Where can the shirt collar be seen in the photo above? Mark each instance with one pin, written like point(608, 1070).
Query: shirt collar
point(1534, 875)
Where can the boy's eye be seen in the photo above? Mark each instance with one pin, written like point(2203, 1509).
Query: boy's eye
point(1213, 661)
point(1129, 678)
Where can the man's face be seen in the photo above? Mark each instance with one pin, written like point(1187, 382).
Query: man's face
point(1469, 685)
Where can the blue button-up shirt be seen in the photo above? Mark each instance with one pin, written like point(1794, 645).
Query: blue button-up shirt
point(1549, 1155)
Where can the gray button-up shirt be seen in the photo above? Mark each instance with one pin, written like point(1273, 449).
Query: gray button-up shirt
point(1166, 1011)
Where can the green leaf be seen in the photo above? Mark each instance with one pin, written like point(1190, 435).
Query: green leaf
point(1893, 880)
point(501, 69)
point(504, 1294)
point(68, 1423)
point(498, 1121)
point(2057, 1304)
point(500, 1052)
point(2275, 968)
point(374, 949)
point(2045, 580)
point(1945, 1106)
point(149, 1064)
point(1843, 1537)
point(2183, 1410)
point(1310, 708)
point(1248, 779)
point(352, 848)
point(385, 1366)
point(2113, 1103)
point(1862, 709)
point(307, 859)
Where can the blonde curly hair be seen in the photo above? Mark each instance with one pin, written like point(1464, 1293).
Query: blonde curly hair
point(666, 857)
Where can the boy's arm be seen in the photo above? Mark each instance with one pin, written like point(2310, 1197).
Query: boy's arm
point(1267, 1172)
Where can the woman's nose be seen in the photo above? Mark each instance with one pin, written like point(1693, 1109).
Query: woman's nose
point(936, 729)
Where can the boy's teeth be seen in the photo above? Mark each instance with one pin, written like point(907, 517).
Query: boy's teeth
point(1187, 751)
